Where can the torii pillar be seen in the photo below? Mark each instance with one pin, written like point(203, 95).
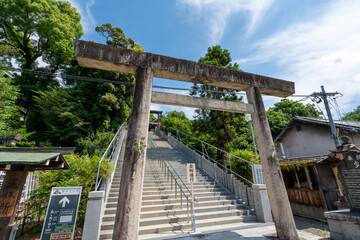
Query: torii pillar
point(280, 206)
point(131, 185)
point(147, 65)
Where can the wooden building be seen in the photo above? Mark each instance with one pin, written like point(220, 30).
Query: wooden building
point(308, 167)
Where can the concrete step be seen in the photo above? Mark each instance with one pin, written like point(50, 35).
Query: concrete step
point(172, 196)
point(181, 219)
point(183, 226)
point(175, 201)
point(152, 217)
point(168, 188)
point(169, 191)
point(161, 212)
point(176, 206)
point(199, 224)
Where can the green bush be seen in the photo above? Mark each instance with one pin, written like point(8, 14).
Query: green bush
point(83, 173)
point(241, 167)
point(95, 144)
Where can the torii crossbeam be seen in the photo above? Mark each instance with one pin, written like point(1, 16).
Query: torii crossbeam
point(148, 65)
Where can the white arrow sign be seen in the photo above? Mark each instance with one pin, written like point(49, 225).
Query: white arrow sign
point(64, 201)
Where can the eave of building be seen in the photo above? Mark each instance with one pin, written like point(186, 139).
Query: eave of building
point(314, 121)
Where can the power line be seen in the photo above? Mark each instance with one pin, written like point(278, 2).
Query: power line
point(101, 80)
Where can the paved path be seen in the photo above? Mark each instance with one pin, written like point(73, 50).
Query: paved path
point(259, 231)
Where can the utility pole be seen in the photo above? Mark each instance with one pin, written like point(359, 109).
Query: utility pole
point(323, 95)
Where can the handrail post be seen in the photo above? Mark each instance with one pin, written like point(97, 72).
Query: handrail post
point(187, 211)
point(175, 191)
point(230, 163)
point(181, 205)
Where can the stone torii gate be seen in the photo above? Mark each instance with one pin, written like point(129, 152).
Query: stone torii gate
point(146, 66)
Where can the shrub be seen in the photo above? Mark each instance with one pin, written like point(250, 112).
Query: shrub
point(82, 173)
point(241, 167)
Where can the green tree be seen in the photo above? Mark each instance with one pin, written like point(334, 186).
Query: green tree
point(9, 111)
point(282, 112)
point(177, 120)
point(116, 37)
point(84, 111)
point(216, 127)
point(62, 116)
point(353, 115)
point(10, 116)
point(39, 28)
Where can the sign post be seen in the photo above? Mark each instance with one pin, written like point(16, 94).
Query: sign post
point(191, 177)
point(61, 213)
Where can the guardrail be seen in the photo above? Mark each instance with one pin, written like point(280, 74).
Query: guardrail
point(170, 174)
point(207, 149)
point(110, 152)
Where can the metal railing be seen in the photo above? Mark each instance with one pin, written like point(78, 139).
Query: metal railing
point(172, 176)
point(207, 150)
point(109, 152)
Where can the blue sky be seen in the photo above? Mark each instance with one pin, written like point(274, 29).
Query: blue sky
point(312, 43)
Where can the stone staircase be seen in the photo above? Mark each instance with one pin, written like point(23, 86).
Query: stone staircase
point(161, 212)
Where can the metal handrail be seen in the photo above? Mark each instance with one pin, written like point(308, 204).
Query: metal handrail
point(204, 153)
point(170, 175)
point(111, 148)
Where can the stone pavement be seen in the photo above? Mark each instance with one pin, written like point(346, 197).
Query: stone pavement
point(260, 231)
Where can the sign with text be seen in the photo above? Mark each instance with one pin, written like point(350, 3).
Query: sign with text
point(349, 175)
point(61, 213)
point(191, 173)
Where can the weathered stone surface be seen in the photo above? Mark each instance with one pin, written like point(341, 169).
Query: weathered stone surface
point(280, 206)
point(343, 224)
point(99, 56)
point(343, 215)
point(204, 103)
point(132, 175)
point(349, 175)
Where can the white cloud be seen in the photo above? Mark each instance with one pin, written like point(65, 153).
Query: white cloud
point(88, 21)
point(324, 51)
point(216, 13)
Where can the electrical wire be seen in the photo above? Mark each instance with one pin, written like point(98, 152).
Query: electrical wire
point(101, 80)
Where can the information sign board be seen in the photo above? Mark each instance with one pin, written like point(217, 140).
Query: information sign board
point(61, 213)
point(191, 173)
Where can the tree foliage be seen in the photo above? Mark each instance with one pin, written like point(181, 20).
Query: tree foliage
point(39, 28)
point(282, 112)
point(115, 36)
point(353, 115)
point(177, 120)
point(9, 111)
point(241, 167)
point(63, 117)
point(82, 173)
point(219, 128)
point(10, 117)
point(94, 143)
point(85, 111)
